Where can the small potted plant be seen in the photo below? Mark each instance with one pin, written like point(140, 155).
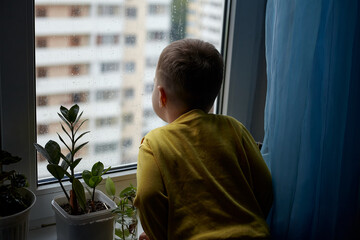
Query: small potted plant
point(16, 200)
point(78, 215)
point(126, 220)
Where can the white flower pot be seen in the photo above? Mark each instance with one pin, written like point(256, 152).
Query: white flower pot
point(95, 225)
point(15, 227)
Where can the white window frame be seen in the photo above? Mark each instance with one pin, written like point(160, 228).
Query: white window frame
point(245, 77)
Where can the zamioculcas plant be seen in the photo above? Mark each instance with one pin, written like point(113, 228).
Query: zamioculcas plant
point(93, 178)
point(64, 165)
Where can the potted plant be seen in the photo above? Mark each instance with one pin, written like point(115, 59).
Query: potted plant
point(16, 200)
point(126, 220)
point(78, 215)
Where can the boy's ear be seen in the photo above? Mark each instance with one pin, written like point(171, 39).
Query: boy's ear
point(162, 97)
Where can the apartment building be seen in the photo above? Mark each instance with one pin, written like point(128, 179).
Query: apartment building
point(102, 55)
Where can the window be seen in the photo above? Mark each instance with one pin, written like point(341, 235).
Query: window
point(75, 70)
point(105, 147)
point(130, 40)
point(156, 35)
point(128, 118)
point(41, 72)
point(106, 122)
point(74, 41)
point(75, 11)
point(149, 88)
point(79, 97)
point(40, 11)
point(157, 9)
point(110, 67)
point(129, 93)
point(109, 39)
point(19, 132)
point(131, 12)
point(106, 95)
point(41, 42)
point(108, 10)
point(129, 67)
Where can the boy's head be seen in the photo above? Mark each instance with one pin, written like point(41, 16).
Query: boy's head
point(191, 71)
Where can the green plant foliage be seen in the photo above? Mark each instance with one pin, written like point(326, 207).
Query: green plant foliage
point(59, 169)
point(93, 178)
point(125, 211)
point(11, 201)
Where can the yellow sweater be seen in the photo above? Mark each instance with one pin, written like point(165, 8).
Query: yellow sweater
point(202, 177)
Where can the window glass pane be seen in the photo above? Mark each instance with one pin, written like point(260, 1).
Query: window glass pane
point(103, 56)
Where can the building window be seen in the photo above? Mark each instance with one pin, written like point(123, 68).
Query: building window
point(79, 97)
point(106, 95)
point(157, 9)
point(126, 142)
point(107, 39)
point(110, 67)
point(41, 42)
point(156, 36)
point(74, 41)
point(130, 40)
point(129, 93)
point(148, 88)
point(108, 10)
point(106, 122)
point(41, 72)
point(129, 67)
point(40, 11)
point(106, 147)
point(128, 118)
point(42, 100)
point(149, 113)
point(131, 12)
point(75, 70)
point(42, 129)
point(75, 11)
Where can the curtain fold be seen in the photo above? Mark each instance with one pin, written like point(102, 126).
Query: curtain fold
point(312, 118)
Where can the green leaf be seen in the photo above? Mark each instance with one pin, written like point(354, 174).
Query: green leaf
point(79, 147)
point(65, 131)
point(78, 118)
point(65, 113)
point(106, 170)
point(86, 175)
point(75, 163)
point(42, 151)
point(81, 136)
point(97, 169)
point(80, 193)
point(56, 170)
point(94, 181)
point(80, 126)
point(72, 113)
point(64, 120)
point(53, 149)
point(110, 187)
point(62, 140)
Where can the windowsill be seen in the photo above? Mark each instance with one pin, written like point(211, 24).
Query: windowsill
point(44, 233)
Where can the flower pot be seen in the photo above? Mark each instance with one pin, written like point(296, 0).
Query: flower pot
point(15, 227)
point(95, 225)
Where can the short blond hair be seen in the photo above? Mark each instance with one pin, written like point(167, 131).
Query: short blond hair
point(193, 70)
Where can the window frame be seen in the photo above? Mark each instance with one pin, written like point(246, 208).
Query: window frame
point(17, 81)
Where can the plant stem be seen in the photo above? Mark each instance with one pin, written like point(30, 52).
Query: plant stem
point(62, 187)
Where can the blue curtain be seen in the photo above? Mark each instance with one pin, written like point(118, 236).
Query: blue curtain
point(312, 118)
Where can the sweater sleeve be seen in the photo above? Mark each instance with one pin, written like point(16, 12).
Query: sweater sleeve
point(151, 199)
point(260, 174)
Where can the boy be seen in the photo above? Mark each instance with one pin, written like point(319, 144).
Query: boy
point(202, 175)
